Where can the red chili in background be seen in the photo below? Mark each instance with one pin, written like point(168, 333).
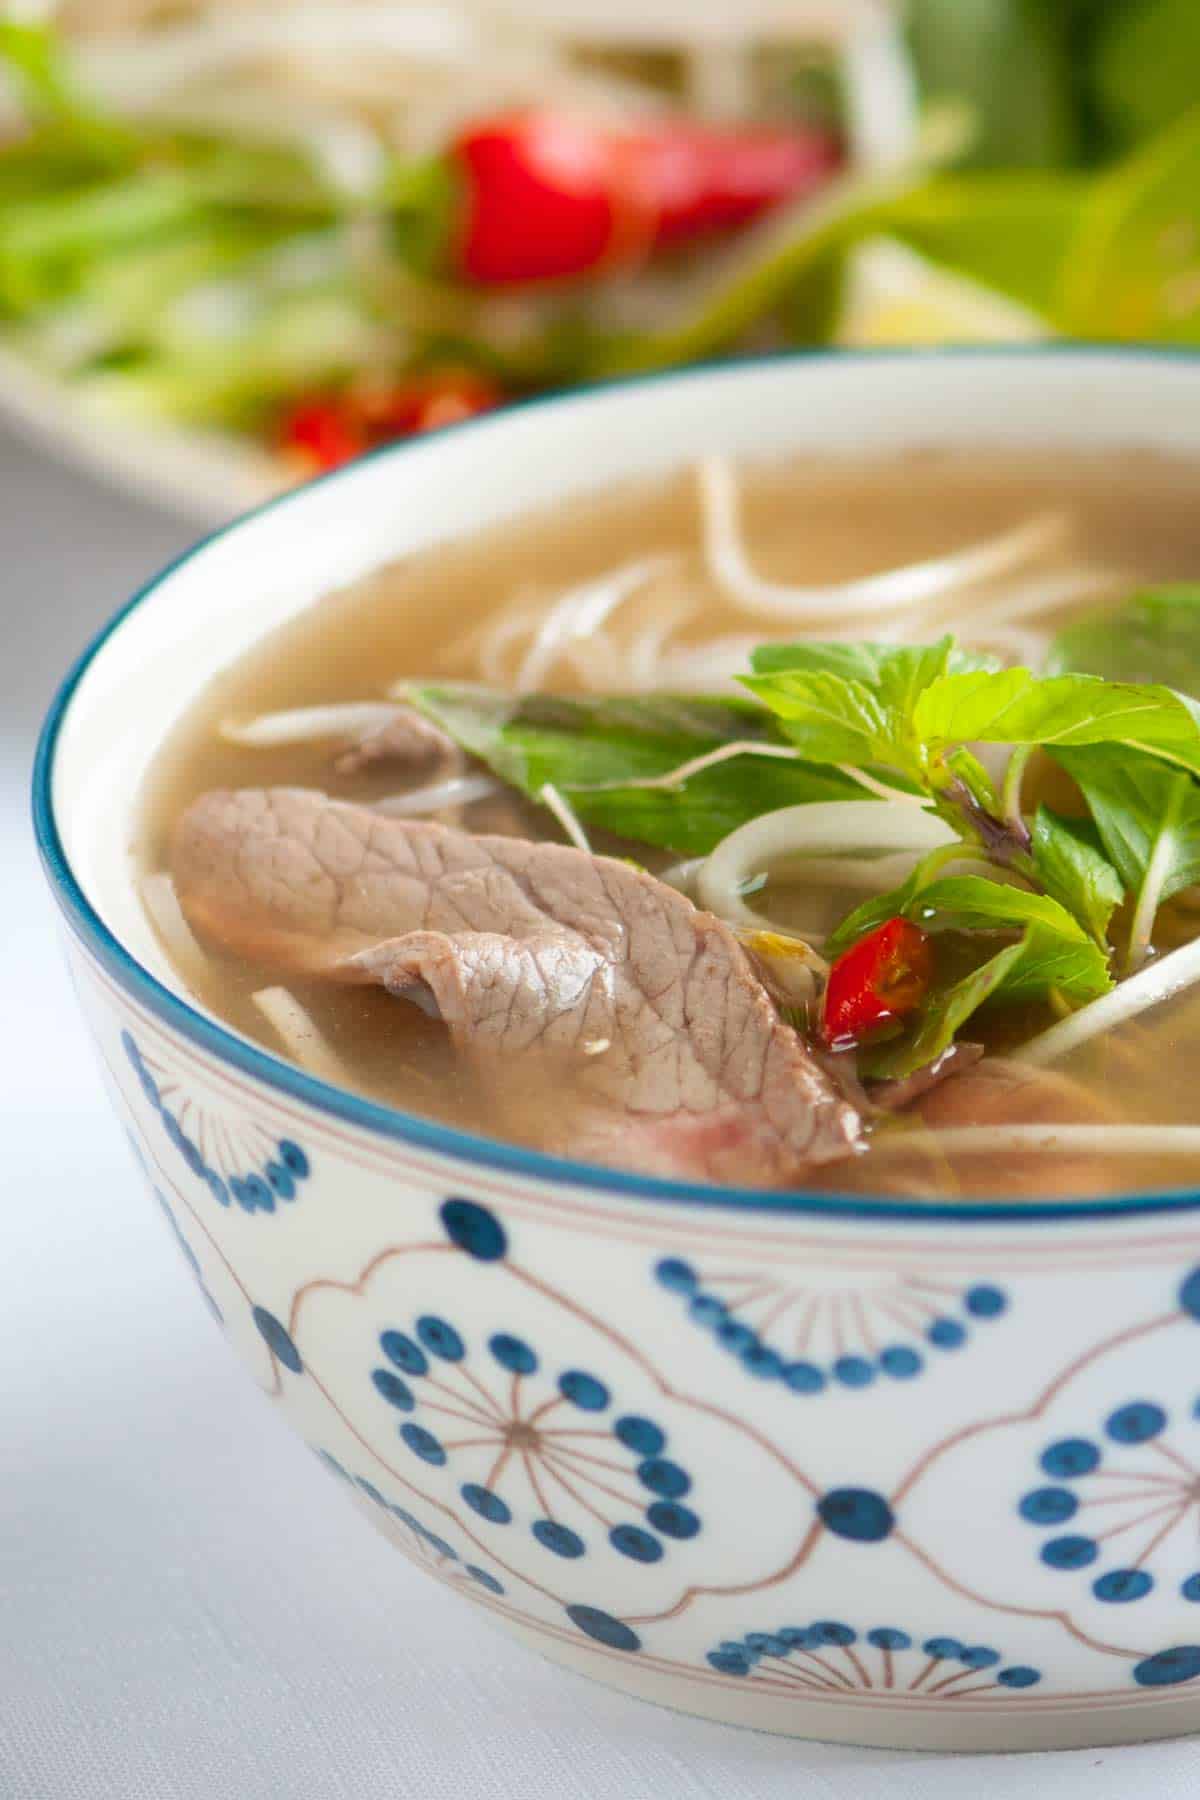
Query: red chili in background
point(877, 982)
point(327, 430)
point(550, 196)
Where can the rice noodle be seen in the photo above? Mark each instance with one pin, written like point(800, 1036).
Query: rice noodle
point(1104, 1140)
point(552, 798)
point(300, 1036)
point(708, 665)
point(682, 875)
point(891, 591)
point(309, 724)
point(459, 790)
point(1157, 981)
point(793, 830)
point(581, 613)
point(178, 939)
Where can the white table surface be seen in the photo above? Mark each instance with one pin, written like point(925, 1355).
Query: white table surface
point(188, 1608)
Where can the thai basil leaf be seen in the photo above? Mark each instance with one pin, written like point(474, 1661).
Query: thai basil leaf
point(1074, 870)
point(832, 718)
point(586, 746)
point(1147, 815)
point(1015, 707)
point(1152, 637)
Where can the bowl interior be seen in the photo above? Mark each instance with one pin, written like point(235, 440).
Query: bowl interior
point(190, 622)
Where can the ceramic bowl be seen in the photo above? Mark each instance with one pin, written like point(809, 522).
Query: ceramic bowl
point(959, 1509)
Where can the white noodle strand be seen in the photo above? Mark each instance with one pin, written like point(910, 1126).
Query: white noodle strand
point(893, 590)
point(995, 1140)
point(308, 724)
point(300, 1036)
point(460, 790)
point(1157, 981)
point(582, 613)
point(552, 798)
point(794, 830)
point(178, 939)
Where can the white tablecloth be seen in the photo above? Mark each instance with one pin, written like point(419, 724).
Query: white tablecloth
point(188, 1608)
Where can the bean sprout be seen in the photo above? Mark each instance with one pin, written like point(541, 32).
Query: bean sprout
point(300, 1036)
point(308, 724)
point(557, 803)
point(178, 939)
point(1103, 1140)
point(1157, 981)
point(459, 790)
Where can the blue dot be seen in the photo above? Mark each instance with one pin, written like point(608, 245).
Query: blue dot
point(730, 1662)
point(194, 1160)
point(900, 1362)
point(886, 1637)
point(396, 1392)
point(1019, 1677)
point(853, 1371)
point(512, 1354)
point(332, 1464)
point(439, 1544)
point(583, 1390)
point(985, 1302)
point(604, 1628)
point(422, 1443)
point(1049, 1506)
point(759, 1359)
point(978, 1656)
point(172, 1129)
point(559, 1538)
point(489, 1506)
point(1182, 1663)
point(768, 1644)
point(831, 1631)
point(281, 1182)
point(129, 1045)
point(1190, 1589)
point(483, 1578)
point(1189, 1294)
point(399, 1348)
point(673, 1520)
point(474, 1229)
point(946, 1649)
point(736, 1336)
point(640, 1435)
point(632, 1541)
point(370, 1490)
point(795, 1636)
point(856, 1513)
point(706, 1309)
point(676, 1274)
point(237, 1188)
point(293, 1159)
point(217, 1188)
point(803, 1378)
point(150, 1088)
point(1121, 1585)
point(277, 1340)
point(947, 1334)
point(1135, 1423)
point(1070, 1457)
point(260, 1194)
point(663, 1477)
point(441, 1339)
point(1070, 1552)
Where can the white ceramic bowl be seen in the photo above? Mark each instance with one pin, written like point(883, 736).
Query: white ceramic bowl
point(536, 1377)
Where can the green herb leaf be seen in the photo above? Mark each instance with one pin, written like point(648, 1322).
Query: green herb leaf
point(1152, 637)
point(945, 1012)
point(1074, 870)
point(831, 718)
point(1015, 707)
point(584, 746)
point(1147, 814)
point(1052, 955)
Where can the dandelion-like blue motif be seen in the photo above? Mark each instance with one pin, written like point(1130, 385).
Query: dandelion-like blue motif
point(254, 1174)
point(813, 1337)
point(534, 1448)
point(829, 1657)
point(427, 1545)
point(1124, 1491)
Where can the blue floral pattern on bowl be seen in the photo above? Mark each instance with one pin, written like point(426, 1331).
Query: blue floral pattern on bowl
point(829, 1656)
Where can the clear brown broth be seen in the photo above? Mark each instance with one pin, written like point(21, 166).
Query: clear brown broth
point(804, 521)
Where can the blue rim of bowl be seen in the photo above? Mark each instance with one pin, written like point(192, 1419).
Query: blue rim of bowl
point(466, 1147)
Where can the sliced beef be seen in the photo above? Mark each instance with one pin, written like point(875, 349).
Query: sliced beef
point(635, 1021)
point(407, 738)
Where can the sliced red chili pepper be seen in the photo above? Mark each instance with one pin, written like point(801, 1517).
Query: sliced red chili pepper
point(550, 196)
point(878, 982)
point(326, 431)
